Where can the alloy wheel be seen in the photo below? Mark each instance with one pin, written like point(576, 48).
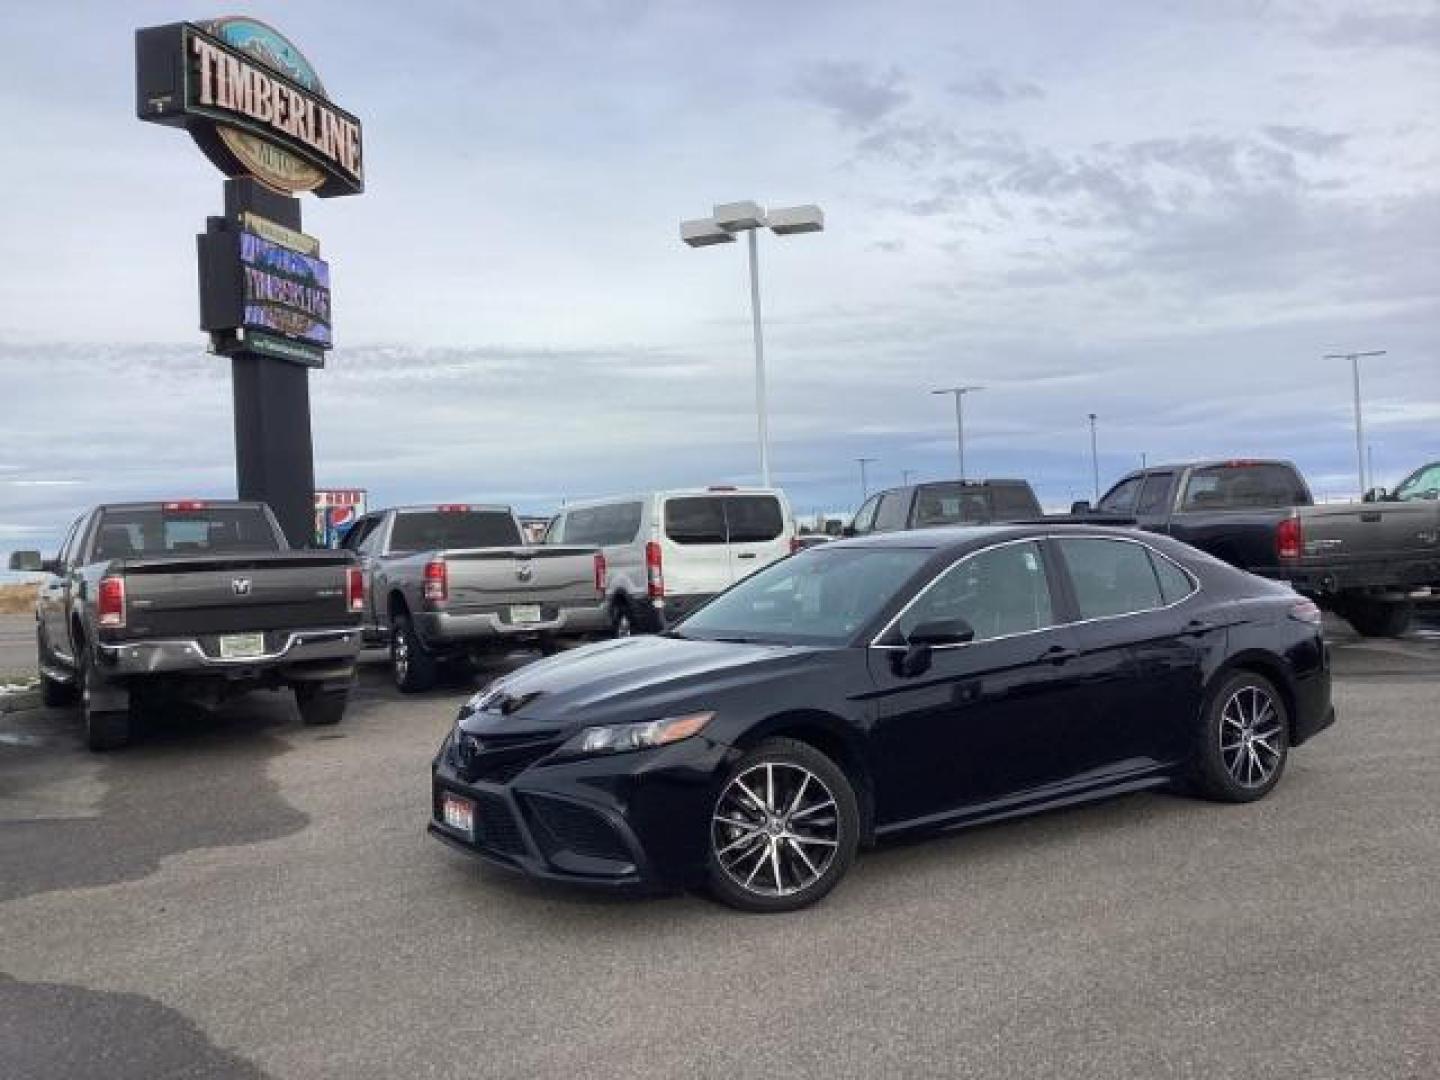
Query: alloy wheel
point(401, 656)
point(1250, 737)
point(776, 829)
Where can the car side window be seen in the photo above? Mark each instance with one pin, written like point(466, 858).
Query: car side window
point(999, 591)
point(865, 516)
point(68, 549)
point(555, 531)
point(1121, 498)
point(1423, 484)
point(357, 533)
point(1155, 493)
point(1110, 577)
point(1175, 583)
point(894, 508)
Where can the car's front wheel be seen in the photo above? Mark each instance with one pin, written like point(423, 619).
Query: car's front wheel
point(1245, 739)
point(784, 829)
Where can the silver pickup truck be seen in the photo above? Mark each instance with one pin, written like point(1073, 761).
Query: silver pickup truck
point(190, 599)
point(446, 582)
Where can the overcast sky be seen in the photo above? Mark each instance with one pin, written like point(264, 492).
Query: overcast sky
point(1162, 213)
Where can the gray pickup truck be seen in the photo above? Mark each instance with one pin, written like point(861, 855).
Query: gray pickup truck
point(200, 600)
point(449, 581)
point(1362, 560)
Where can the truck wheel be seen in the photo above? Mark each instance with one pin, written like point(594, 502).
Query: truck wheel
point(412, 663)
point(52, 692)
point(319, 707)
point(622, 622)
point(104, 730)
point(1378, 618)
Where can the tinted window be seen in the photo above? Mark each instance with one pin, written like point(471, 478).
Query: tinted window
point(1111, 577)
point(601, 525)
point(893, 510)
point(1014, 501)
point(357, 533)
point(695, 520)
point(1121, 498)
point(951, 504)
point(1155, 494)
point(752, 519)
point(823, 596)
point(998, 591)
point(1421, 484)
point(1236, 487)
point(865, 517)
point(428, 530)
point(218, 530)
point(1175, 584)
point(69, 549)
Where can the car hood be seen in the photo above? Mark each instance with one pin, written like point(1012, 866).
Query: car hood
point(630, 679)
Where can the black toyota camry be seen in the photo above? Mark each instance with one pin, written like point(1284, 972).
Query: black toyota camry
point(868, 688)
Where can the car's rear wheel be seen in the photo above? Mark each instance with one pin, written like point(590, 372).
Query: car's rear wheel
point(1245, 740)
point(105, 729)
point(783, 830)
point(320, 707)
point(1378, 618)
point(413, 665)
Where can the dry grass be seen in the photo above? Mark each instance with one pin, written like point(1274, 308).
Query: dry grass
point(17, 599)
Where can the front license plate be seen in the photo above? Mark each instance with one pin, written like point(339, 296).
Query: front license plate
point(458, 813)
point(525, 613)
point(241, 646)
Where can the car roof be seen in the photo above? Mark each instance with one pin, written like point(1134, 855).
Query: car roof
point(960, 538)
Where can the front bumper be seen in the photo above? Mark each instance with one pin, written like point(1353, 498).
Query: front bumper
point(633, 821)
point(315, 652)
point(461, 628)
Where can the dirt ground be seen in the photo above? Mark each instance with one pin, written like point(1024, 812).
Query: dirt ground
point(17, 599)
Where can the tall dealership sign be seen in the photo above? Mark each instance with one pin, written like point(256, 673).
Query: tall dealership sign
point(257, 109)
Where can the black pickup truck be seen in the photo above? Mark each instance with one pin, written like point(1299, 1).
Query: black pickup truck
point(1362, 561)
point(194, 599)
point(945, 502)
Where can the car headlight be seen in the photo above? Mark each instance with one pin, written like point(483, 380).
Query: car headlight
point(618, 738)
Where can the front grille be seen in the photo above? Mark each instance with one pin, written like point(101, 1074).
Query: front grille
point(482, 758)
point(495, 825)
point(569, 827)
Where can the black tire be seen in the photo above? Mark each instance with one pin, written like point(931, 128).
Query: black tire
point(320, 707)
point(414, 666)
point(53, 693)
point(826, 800)
point(1378, 618)
point(547, 646)
point(622, 619)
point(107, 729)
point(1244, 739)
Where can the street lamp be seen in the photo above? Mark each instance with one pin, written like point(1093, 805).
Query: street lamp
point(864, 486)
point(720, 228)
point(1094, 458)
point(905, 475)
point(1355, 358)
point(959, 392)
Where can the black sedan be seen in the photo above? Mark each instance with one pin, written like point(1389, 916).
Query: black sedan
point(887, 685)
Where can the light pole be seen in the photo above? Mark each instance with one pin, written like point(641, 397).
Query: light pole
point(864, 486)
point(720, 228)
point(1094, 458)
point(1355, 358)
point(959, 392)
point(905, 475)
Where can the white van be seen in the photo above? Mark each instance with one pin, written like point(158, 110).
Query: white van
point(668, 552)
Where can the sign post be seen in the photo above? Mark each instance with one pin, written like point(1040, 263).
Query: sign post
point(257, 109)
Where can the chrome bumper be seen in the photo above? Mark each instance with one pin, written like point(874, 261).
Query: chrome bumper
point(447, 628)
point(301, 646)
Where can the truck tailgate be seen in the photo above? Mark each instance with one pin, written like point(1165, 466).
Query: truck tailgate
point(1348, 534)
point(187, 597)
point(485, 578)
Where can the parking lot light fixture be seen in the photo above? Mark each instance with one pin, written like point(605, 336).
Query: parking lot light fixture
point(864, 480)
point(720, 227)
point(1355, 358)
point(959, 392)
point(1094, 458)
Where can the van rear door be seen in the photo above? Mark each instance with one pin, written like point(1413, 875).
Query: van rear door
point(694, 548)
point(757, 531)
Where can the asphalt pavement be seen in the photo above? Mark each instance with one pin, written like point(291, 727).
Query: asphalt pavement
point(240, 896)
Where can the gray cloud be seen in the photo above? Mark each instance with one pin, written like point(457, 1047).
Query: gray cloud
point(854, 96)
point(992, 88)
point(1306, 140)
point(1393, 29)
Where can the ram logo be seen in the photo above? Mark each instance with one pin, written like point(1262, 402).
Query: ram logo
point(240, 586)
point(524, 571)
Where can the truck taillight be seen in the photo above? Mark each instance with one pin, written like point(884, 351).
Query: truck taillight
point(1289, 538)
point(454, 508)
point(654, 571)
point(110, 602)
point(794, 544)
point(600, 572)
point(437, 581)
point(185, 504)
point(355, 589)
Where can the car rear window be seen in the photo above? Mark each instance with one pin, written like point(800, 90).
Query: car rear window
point(211, 530)
point(1238, 487)
point(716, 519)
point(1014, 501)
point(427, 530)
point(952, 504)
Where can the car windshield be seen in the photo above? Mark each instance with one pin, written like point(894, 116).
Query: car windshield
point(823, 596)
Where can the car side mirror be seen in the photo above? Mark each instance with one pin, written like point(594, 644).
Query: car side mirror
point(1375, 494)
point(1080, 506)
point(921, 642)
point(26, 562)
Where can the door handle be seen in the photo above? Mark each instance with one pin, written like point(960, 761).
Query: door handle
point(746, 555)
point(1199, 626)
point(1370, 515)
point(1059, 654)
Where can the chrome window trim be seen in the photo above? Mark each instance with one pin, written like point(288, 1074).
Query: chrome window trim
point(1194, 589)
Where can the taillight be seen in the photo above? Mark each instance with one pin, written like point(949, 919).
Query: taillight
point(1307, 611)
point(599, 571)
point(110, 602)
point(654, 571)
point(437, 581)
point(794, 544)
point(185, 504)
point(355, 589)
point(1289, 538)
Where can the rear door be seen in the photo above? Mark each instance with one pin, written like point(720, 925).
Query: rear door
point(694, 546)
point(52, 606)
point(758, 530)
